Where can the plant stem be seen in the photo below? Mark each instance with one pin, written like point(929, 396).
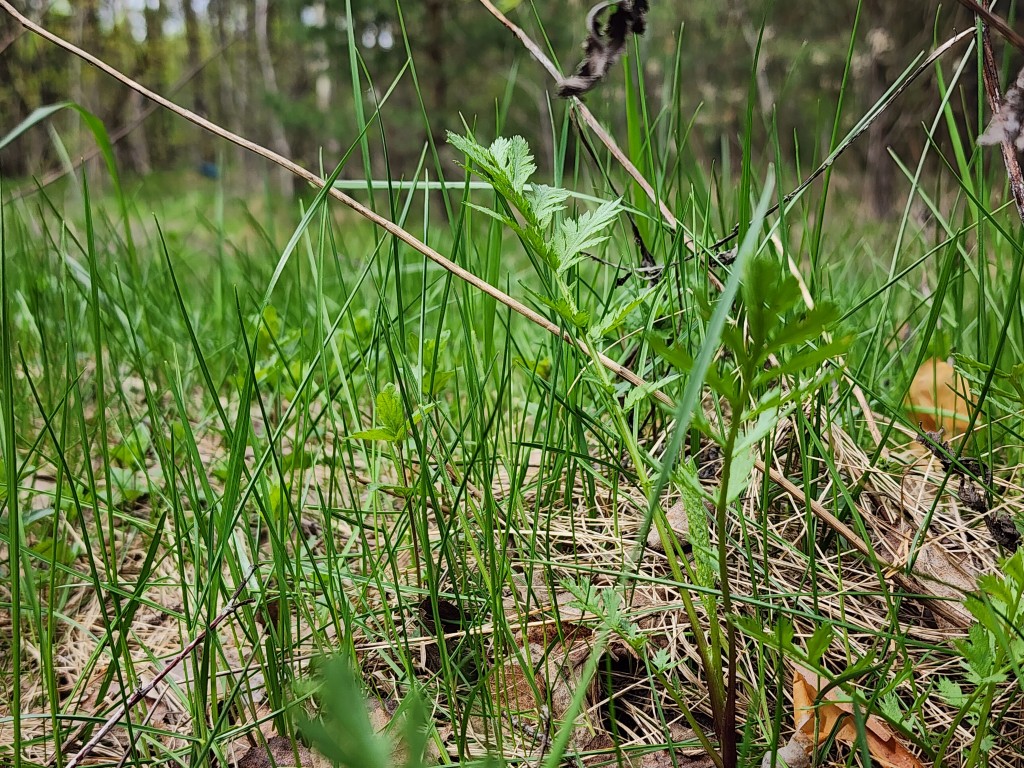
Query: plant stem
point(727, 725)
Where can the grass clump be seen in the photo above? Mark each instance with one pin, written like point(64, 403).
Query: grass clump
point(228, 456)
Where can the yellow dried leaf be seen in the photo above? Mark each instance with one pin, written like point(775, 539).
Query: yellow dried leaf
point(936, 398)
point(833, 714)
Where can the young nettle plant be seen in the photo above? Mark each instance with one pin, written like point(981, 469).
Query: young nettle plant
point(561, 244)
point(773, 339)
point(774, 349)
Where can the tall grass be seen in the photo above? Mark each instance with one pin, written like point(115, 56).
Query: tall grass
point(396, 467)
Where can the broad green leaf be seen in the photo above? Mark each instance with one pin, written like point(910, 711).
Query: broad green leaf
point(377, 433)
point(819, 642)
point(131, 451)
point(740, 471)
point(765, 424)
point(390, 413)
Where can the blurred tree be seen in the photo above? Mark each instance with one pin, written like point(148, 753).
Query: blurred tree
point(283, 78)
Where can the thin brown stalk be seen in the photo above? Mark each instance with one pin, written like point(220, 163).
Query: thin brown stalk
point(310, 177)
point(143, 690)
point(990, 74)
point(997, 22)
point(586, 115)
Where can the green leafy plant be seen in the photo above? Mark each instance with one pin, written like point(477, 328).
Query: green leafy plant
point(392, 429)
point(992, 653)
point(343, 733)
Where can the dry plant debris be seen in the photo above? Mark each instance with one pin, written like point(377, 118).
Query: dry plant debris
point(605, 43)
point(937, 398)
point(532, 684)
point(281, 753)
point(819, 716)
point(1006, 124)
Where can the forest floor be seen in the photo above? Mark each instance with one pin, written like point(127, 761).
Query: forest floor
point(691, 481)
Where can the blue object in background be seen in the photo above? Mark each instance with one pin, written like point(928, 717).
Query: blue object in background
point(209, 170)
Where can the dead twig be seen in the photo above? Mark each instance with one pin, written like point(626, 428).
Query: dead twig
point(142, 691)
point(1004, 29)
point(386, 224)
point(990, 73)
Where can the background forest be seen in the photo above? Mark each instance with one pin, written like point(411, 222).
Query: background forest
point(682, 424)
point(279, 73)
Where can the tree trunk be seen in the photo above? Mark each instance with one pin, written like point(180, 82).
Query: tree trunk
point(193, 44)
point(153, 65)
point(436, 74)
point(278, 137)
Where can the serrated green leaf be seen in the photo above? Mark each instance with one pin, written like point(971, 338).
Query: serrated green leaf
point(699, 530)
point(766, 422)
point(574, 236)
point(819, 642)
point(617, 316)
point(545, 202)
point(473, 151)
point(512, 159)
point(492, 213)
point(810, 359)
point(891, 706)
point(810, 325)
point(661, 659)
point(566, 310)
point(389, 411)
point(951, 692)
point(679, 358)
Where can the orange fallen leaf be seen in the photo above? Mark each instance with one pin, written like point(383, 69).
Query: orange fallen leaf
point(936, 398)
point(832, 713)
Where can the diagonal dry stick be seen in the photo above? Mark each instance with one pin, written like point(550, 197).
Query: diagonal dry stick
point(587, 115)
point(143, 690)
point(908, 583)
point(310, 177)
point(995, 100)
point(1004, 29)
